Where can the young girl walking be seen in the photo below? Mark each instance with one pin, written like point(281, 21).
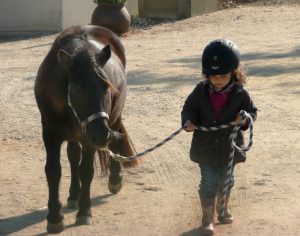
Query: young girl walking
point(215, 101)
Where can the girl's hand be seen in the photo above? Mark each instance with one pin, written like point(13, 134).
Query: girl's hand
point(188, 126)
point(239, 120)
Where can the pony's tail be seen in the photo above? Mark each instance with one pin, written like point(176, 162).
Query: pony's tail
point(104, 157)
point(127, 148)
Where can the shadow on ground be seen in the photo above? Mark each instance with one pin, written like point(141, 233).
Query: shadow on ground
point(143, 79)
point(12, 36)
point(194, 62)
point(193, 232)
point(17, 223)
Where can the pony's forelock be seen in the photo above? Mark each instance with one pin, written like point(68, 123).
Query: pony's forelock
point(102, 76)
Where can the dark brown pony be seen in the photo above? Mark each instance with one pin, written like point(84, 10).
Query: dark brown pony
point(80, 90)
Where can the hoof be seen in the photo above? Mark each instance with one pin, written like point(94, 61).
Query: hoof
point(83, 220)
point(114, 188)
point(225, 221)
point(55, 228)
point(207, 230)
point(72, 204)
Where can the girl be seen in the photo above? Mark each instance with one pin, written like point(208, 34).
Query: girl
point(216, 101)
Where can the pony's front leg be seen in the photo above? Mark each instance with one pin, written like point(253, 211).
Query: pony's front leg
point(86, 173)
point(74, 156)
point(115, 179)
point(53, 173)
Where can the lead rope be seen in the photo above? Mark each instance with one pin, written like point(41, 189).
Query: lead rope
point(120, 158)
point(234, 147)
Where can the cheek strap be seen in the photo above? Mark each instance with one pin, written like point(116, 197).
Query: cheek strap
point(83, 124)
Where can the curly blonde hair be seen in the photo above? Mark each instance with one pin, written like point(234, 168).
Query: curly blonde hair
point(238, 75)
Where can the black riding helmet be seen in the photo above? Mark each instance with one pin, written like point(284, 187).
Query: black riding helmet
point(220, 57)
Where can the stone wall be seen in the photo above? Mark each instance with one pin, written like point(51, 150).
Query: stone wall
point(175, 9)
point(55, 15)
point(43, 15)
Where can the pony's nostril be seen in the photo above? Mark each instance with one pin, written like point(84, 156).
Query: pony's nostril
point(99, 139)
point(108, 135)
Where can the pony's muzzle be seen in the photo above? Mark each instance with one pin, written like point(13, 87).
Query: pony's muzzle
point(98, 133)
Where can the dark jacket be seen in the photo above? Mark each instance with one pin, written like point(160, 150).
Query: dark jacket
point(214, 147)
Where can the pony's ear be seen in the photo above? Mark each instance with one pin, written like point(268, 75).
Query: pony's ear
point(103, 56)
point(64, 57)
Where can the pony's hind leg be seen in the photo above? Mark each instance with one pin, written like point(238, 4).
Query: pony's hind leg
point(86, 173)
point(53, 174)
point(74, 156)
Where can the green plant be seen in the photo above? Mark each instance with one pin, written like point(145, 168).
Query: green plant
point(110, 1)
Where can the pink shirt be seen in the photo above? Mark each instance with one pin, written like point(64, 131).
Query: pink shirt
point(219, 99)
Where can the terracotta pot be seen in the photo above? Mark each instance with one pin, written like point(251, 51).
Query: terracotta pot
point(113, 16)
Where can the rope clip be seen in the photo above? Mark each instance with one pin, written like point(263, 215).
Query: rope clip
point(117, 157)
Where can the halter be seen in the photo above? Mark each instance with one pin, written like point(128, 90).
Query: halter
point(84, 123)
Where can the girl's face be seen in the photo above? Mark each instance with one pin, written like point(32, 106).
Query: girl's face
point(220, 81)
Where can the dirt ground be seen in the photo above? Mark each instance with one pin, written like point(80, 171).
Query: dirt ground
point(160, 197)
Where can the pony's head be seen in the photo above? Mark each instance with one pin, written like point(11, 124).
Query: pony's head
point(89, 91)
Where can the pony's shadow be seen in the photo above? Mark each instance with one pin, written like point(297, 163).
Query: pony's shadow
point(17, 223)
point(193, 232)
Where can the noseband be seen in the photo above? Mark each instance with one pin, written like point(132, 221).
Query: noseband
point(84, 123)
